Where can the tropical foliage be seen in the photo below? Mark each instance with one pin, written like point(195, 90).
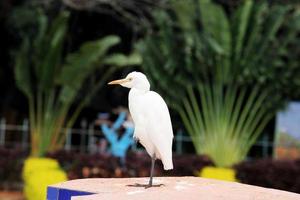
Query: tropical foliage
point(51, 78)
point(226, 68)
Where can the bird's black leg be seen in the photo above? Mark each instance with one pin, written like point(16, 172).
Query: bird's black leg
point(152, 171)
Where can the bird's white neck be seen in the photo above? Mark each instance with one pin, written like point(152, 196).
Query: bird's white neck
point(134, 99)
point(138, 91)
point(143, 87)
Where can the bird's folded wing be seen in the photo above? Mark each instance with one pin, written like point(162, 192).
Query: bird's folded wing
point(158, 124)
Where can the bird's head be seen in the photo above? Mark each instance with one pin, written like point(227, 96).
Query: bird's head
point(136, 80)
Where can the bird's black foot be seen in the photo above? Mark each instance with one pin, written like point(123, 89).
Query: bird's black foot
point(150, 186)
point(146, 186)
point(137, 185)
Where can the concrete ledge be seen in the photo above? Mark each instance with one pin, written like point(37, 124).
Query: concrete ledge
point(188, 188)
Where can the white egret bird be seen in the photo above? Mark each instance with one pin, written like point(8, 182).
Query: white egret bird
point(153, 127)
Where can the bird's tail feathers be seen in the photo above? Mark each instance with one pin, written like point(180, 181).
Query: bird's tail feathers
point(168, 164)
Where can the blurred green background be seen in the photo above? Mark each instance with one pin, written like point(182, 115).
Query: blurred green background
point(225, 69)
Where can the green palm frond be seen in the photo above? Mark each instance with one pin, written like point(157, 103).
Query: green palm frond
point(51, 81)
point(226, 123)
point(223, 66)
point(79, 65)
point(22, 75)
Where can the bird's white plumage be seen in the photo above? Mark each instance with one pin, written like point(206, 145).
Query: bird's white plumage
point(153, 127)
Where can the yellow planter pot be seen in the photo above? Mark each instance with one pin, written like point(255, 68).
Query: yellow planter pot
point(226, 174)
point(38, 173)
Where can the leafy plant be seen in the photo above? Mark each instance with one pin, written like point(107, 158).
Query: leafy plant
point(228, 123)
point(51, 79)
point(255, 173)
point(137, 164)
point(229, 60)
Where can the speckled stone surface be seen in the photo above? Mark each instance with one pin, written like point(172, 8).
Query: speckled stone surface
point(188, 188)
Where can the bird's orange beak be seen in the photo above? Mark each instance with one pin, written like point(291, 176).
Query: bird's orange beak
point(120, 81)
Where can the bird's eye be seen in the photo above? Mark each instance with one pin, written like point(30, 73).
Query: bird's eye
point(130, 79)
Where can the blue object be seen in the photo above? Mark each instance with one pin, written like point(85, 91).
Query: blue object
point(55, 193)
point(120, 146)
point(120, 120)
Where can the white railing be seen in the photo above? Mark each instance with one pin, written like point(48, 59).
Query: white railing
point(87, 136)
